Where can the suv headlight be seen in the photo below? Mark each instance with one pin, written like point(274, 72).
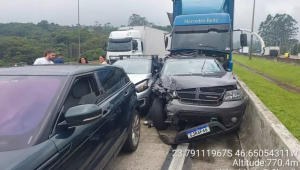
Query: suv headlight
point(233, 95)
point(142, 86)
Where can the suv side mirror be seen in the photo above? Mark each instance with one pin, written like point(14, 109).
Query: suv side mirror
point(243, 40)
point(81, 115)
point(135, 45)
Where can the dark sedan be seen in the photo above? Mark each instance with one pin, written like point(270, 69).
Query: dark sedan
point(66, 117)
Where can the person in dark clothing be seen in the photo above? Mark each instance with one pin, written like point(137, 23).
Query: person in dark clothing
point(156, 66)
point(148, 120)
point(59, 59)
point(83, 60)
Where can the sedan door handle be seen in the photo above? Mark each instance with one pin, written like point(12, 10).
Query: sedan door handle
point(126, 93)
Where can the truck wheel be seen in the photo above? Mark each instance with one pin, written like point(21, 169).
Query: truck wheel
point(133, 138)
point(158, 114)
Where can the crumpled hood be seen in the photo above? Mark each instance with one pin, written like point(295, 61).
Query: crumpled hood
point(187, 82)
point(136, 78)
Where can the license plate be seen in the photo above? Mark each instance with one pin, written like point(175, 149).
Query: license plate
point(197, 132)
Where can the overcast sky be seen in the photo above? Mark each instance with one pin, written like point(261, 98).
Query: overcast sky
point(117, 12)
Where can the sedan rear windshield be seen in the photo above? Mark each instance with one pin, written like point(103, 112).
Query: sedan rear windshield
point(25, 102)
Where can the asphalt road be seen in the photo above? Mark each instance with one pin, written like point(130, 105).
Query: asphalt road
point(152, 152)
point(150, 155)
point(218, 153)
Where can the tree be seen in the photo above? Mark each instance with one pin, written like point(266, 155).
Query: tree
point(137, 20)
point(278, 30)
point(43, 24)
point(24, 42)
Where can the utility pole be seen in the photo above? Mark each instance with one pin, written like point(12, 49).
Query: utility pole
point(78, 33)
point(251, 46)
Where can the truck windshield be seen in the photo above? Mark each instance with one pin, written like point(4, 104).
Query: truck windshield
point(206, 41)
point(26, 102)
point(119, 46)
point(191, 67)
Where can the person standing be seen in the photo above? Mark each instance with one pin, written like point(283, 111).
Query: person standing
point(102, 60)
point(47, 59)
point(83, 60)
point(59, 59)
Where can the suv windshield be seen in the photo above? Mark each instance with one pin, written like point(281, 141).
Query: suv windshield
point(138, 66)
point(210, 41)
point(25, 103)
point(191, 66)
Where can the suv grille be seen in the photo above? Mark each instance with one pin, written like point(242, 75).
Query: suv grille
point(204, 96)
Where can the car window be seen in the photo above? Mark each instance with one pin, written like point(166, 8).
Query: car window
point(83, 91)
point(25, 103)
point(138, 66)
point(124, 79)
point(112, 79)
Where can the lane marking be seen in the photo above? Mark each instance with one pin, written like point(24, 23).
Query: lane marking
point(169, 158)
point(178, 161)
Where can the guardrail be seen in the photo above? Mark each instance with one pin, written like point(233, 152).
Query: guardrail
point(276, 59)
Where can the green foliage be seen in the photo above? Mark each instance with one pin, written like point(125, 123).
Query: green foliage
point(278, 30)
point(296, 49)
point(93, 55)
point(24, 42)
point(137, 20)
point(280, 71)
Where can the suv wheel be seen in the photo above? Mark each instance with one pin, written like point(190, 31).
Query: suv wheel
point(158, 114)
point(133, 138)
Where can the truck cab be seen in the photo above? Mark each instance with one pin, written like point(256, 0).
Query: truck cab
point(126, 42)
point(205, 26)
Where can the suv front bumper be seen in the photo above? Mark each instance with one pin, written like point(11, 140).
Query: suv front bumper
point(227, 117)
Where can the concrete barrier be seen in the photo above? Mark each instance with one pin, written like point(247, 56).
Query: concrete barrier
point(261, 132)
point(277, 59)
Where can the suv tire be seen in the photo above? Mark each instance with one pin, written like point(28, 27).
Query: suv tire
point(133, 138)
point(158, 114)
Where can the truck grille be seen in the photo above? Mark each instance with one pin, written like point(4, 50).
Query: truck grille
point(203, 96)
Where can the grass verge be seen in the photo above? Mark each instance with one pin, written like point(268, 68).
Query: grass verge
point(284, 104)
point(280, 71)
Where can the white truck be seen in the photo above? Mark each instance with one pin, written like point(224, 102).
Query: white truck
point(138, 40)
point(271, 51)
point(244, 50)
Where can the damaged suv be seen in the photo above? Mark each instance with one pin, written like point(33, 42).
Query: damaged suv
point(200, 92)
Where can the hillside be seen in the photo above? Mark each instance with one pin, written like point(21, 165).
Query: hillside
point(24, 42)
